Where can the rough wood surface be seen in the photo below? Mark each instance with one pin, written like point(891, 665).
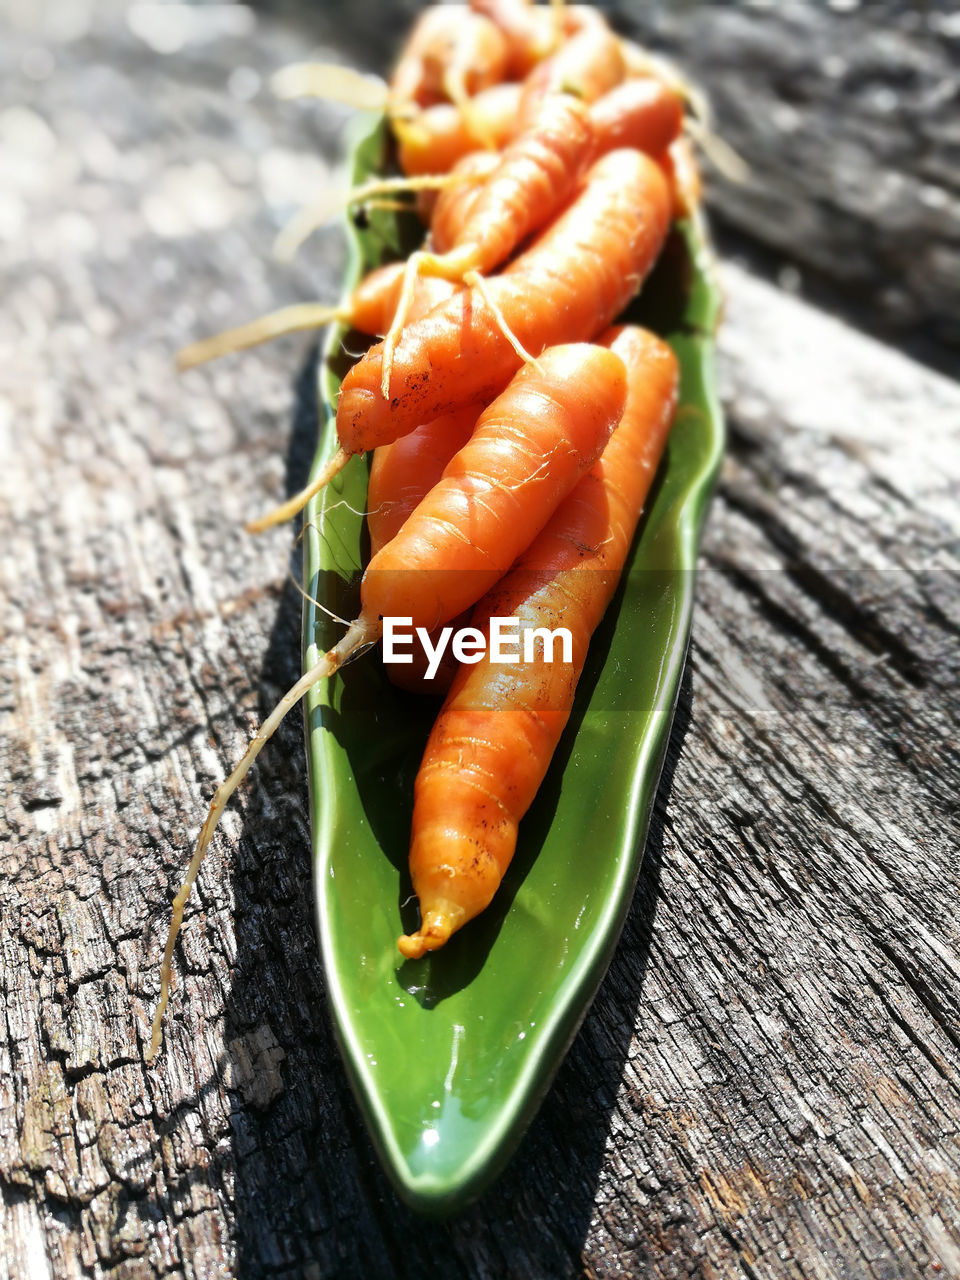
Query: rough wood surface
point(769, 1082)
point(847, 115)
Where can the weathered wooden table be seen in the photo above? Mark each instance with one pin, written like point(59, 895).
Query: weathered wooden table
point(768, 1082)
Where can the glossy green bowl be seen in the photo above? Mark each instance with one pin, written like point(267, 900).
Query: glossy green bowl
point(450, 1056)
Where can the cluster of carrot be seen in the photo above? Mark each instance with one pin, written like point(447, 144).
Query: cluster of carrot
point(515, 431)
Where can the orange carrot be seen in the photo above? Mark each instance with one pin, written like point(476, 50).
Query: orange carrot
point(588, 65)
point(575, 18)
point(370, 308)
point(447, 44)
point(500, 724)
point(473, 57)
point(529, 39)
point(451, 207)
point(435, 139)
point(532, 31)
point(569, 285)
point(536, 174)
point(644, 114)
point(498, 492)
point(401, 475)
point(451, 56)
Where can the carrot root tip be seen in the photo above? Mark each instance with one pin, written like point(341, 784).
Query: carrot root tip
point(436, 926)
point(413, 946)
point(331, 82)
point(276, 324)
point(287, 510)
point(360, 633)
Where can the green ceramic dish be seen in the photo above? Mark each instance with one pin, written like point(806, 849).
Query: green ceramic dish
point(449, 1056)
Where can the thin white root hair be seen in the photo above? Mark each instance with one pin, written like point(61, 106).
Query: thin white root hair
point(417, 182)
point(304, 222)
point(556, 9)
point(642, 62)
point(699, 125)
point(276, 324)
point(334, 506)
point(410, 277)
point(335, 617)
point(292, 577)
point(358, 634)
point(333, 82)
point(392, 206)
point(318, 213)
point(474, 280)
point(287, 510)
point(727, 161)
point(455, 87)
point(448, 266)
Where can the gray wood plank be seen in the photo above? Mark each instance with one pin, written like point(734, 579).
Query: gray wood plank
point(767, 1085)
point(847, 115)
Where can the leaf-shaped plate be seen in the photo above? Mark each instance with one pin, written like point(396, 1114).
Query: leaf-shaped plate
point(449, 1056)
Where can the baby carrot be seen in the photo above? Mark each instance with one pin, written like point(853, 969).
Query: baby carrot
point(499, 726)
point(529, 39)
point(639, 114)
point(588, 65)
point(448, 49)
point(532, 30)
point(435, 139)
point(448, 210)
point(498, 491)
point(568, 286)
point(370, 308)
point(401, 475)
point(536, 174)
point(644, 114)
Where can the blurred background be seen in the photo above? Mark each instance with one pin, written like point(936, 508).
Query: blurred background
point(846, 112)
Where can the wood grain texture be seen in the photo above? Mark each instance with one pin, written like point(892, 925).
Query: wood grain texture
point(847, 116)
point(768, 1083)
